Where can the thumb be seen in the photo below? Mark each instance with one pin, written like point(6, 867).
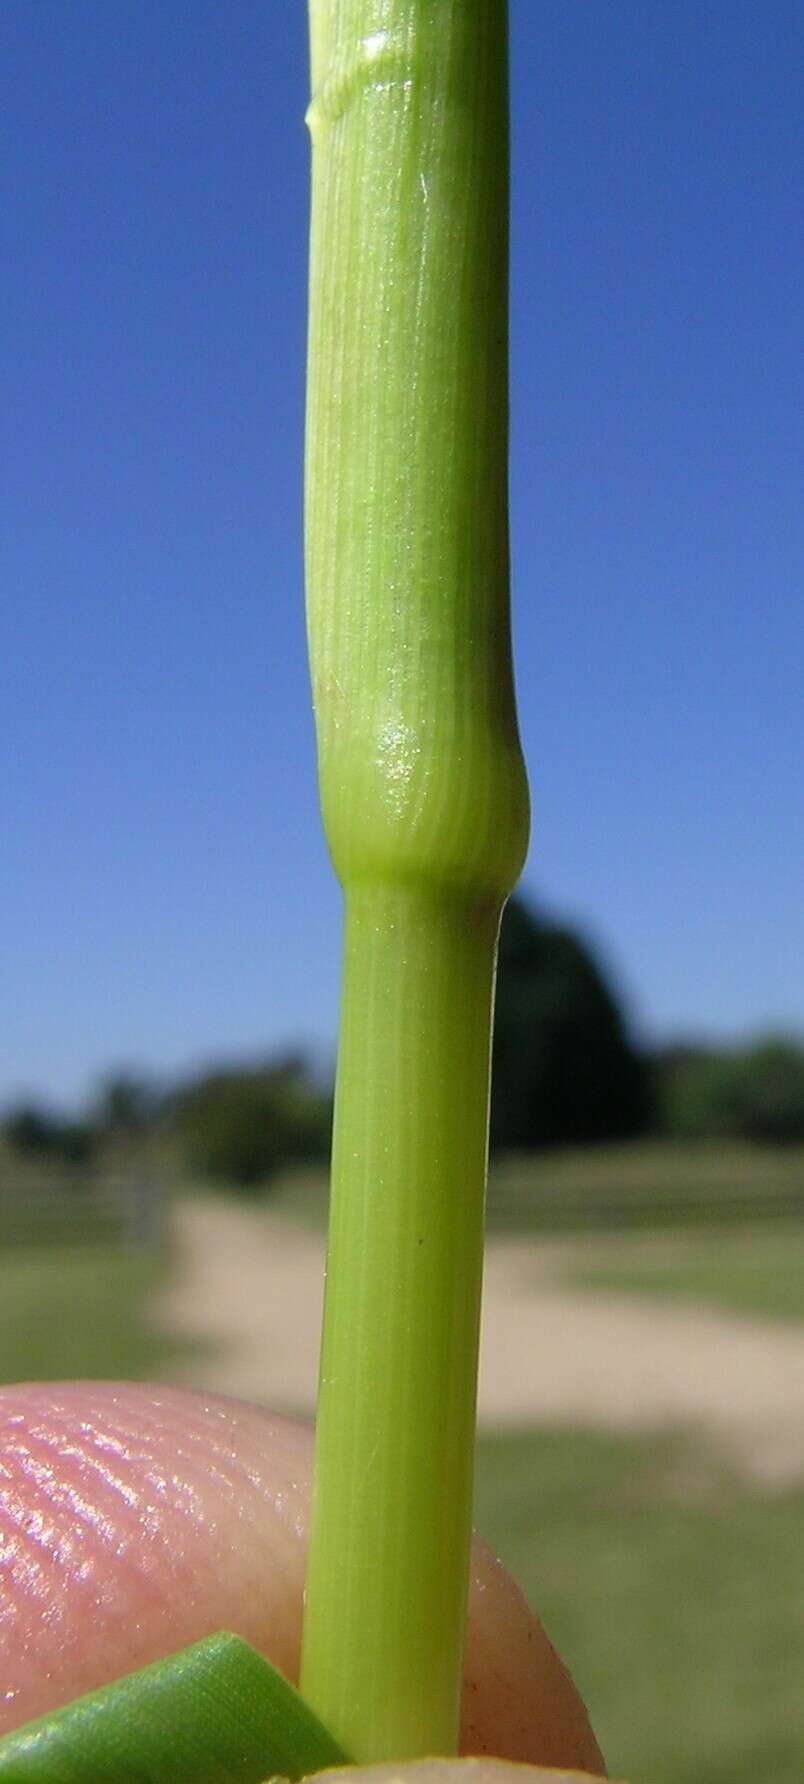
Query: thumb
point(134, 1520)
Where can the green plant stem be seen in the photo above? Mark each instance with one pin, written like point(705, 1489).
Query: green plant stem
point(425, 808)
point(388, 1567)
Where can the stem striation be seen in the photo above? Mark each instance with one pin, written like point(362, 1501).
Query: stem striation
point(425, 808)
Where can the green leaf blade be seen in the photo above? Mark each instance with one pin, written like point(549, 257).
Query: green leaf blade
point(215, 1713)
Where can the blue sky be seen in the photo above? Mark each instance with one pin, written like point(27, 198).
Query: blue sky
point(165, 889)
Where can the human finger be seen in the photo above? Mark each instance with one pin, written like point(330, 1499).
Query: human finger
point(135, 1519)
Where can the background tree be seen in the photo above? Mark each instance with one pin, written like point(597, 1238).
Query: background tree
point(127, 1105)
point(239, 1126)
point(33, 1133)
point(565, 1070)
point(751, 1093)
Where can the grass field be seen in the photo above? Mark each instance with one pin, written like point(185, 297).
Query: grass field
point(674, 1591)
point(655, 1183)
point(758, 1272)
point(80, 1310)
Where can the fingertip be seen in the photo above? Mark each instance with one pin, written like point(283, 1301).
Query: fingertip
point(520, 1700)
point(137, 1519)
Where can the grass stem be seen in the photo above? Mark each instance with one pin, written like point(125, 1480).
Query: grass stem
point(425, 808)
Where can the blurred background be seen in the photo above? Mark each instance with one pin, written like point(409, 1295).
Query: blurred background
point(171, 924)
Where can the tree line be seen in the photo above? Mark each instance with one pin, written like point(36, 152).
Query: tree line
point(567, 1071)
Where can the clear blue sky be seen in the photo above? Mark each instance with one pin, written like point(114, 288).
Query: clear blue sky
point(166, 896)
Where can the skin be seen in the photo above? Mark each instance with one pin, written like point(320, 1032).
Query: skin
point(136, 1519)
point(452, 1771)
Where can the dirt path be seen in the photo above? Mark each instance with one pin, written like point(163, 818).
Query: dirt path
point(251, 1285)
